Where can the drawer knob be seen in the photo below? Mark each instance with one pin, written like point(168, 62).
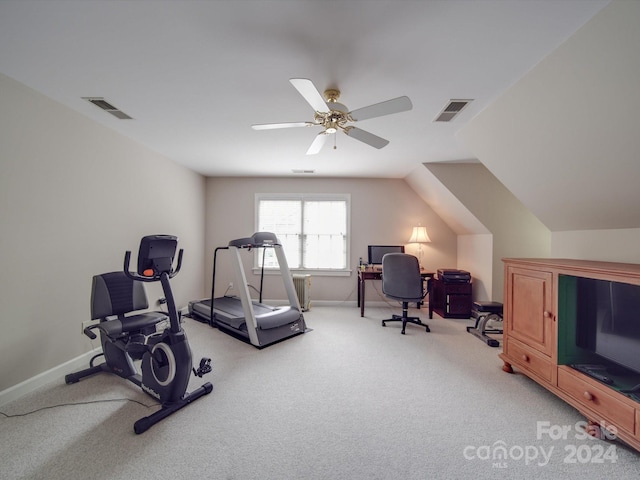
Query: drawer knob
point(587, 396)
point(525, 358)
point(546, 314)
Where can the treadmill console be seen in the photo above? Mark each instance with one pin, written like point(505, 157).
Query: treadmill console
point(259, 239)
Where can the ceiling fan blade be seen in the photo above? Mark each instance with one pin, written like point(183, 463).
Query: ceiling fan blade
point(395, 105)
point(317, 143)
point(366, 137)
point(271, 126)
point(310, 93)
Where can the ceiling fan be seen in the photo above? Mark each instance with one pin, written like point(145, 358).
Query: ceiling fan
point(333, 116)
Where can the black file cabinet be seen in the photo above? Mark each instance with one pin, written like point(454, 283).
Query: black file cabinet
point(451, 299)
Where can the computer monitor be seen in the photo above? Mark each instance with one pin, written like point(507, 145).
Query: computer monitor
point(376, 252)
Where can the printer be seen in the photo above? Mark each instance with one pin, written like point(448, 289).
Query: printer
point(448, 275)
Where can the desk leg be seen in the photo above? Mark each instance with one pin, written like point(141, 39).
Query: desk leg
point(429, 292)
point(361, 297)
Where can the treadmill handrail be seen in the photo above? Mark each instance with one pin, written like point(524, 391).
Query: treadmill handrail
point(213, 282)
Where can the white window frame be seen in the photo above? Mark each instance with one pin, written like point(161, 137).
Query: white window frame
point(302, 197)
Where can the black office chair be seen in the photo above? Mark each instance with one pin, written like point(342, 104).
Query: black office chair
point(401, 281)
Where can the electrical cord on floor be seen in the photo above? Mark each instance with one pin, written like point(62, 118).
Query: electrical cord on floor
point(79, 403)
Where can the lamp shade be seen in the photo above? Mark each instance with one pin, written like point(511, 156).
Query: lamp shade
point(419, 235)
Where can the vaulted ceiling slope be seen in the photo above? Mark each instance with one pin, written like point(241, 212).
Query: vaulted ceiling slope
point(194, 75)
point(565, 138)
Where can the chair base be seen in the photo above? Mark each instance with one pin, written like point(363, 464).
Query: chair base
point(405, 320)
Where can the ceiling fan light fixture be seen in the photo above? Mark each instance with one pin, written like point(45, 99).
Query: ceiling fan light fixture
point(333, 116)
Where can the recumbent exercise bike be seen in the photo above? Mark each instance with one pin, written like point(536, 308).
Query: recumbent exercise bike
point(165, 355)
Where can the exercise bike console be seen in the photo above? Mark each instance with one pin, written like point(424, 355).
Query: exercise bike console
point(166, 362)
point(154, 257)
point(155, 261)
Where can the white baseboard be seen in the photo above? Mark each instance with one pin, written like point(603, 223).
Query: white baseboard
point(333, 303)
point(56, 373)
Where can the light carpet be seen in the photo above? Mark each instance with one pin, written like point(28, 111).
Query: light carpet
point(348, 400)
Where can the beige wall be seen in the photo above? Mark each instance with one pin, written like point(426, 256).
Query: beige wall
point(383, 211)
point(604, 245)
point(563, 139)
point(475, 255)
point(516, 231)
point(75, 196)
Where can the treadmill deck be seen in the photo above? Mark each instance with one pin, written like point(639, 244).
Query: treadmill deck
point(228, 310)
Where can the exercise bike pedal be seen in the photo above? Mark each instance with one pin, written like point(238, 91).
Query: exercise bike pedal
point(204, 368)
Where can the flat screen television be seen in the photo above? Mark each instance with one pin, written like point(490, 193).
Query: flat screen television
point(376, 252)
point(608, 324)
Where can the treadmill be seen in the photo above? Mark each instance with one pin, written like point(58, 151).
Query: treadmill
point(245, 318)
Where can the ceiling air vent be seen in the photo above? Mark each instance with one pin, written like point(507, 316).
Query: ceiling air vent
point(451, 109)
point(107, 107)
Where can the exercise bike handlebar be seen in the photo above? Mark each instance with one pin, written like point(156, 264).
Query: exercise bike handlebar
point(155, 275)
point(159, 271)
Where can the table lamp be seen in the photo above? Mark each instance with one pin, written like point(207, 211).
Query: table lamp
point(419, 235)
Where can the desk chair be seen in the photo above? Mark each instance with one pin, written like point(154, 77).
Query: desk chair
point(401, 281)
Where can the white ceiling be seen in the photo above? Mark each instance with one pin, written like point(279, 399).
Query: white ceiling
point(195, 75)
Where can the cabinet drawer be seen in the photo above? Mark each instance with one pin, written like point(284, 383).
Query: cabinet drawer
point(459, 305)
point(529, 359)
point(597, 399)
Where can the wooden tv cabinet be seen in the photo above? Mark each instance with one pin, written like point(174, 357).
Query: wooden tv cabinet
point(539, 339)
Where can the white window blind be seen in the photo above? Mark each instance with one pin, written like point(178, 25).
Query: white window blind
point(312, 229)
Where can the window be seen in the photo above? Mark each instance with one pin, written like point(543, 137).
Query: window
point(313, 230)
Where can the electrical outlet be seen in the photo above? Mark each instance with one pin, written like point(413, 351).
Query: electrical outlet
point(88, 323)
point(230, 285)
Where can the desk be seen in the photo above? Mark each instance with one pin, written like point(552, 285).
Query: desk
point(375, 273)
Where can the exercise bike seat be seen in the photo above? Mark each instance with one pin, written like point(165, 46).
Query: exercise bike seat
point(115, 294)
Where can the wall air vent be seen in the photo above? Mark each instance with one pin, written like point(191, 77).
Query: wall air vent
point(451, 109)
point(107, 107)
